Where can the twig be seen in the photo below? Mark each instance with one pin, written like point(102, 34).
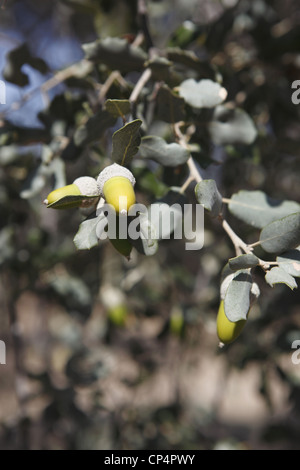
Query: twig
point(186, 184)
point(226, 200)
point(144, 78)
point(238, 243)
point(57, 78)
point(115, 75)
point(193, 170)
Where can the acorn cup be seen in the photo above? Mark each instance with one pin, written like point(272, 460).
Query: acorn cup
point(116, 185)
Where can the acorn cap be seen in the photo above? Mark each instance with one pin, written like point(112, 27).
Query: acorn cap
point(87, 186)
point(110, 172)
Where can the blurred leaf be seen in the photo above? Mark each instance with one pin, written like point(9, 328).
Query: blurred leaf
point(15, 59)
point(170, 107)
point(117, 108)
point(7, 249)
point(116, 53)
point(81, 6)
point(49, 167)
point(126, 141)
point(157, 149)
point(9, 154)
point(207, 194)
point(34, 183)
point(257, 209)
point(184, 34)
point(87, 236)
point(190, 60)
point(150, 183)
point(280, 276)
point(290, 262)
point(237, 297)
point(94, 128)
point(231, 126)
point(10, 133)
point(281, 235)
point(202, 94)
point(243, 262)
point(85, 367)
point(160, 67)
point(72, 289)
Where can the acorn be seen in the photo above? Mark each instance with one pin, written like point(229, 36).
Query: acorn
point(83, 192)
point(116, 185)
point(227, 330)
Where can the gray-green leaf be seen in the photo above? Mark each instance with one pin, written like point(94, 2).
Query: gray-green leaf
point(231, 126)
point(208, 195)
point(157, 149)
point(278, 275)
point(94, 128)
point(170, 107)
point(116, 53)
point(237, 297)
point(87, 237)
point(117, 108)
point(243, 262)
point(160, 67)
point(202, 94)
point(257, 209)
point(281, 235)
point(290, 262)
point(189, 59)
point(70, 202)
point(126, 141)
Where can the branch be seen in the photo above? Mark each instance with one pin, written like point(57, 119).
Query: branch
point(144, 78)
point(238, 243)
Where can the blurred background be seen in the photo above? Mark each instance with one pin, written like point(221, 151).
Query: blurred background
point(103, 353)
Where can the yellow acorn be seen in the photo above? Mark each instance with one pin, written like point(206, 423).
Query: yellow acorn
point(227, 330)
point(72, 194)
point(116, 185)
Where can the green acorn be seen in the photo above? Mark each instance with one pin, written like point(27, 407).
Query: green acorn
point(83, 192)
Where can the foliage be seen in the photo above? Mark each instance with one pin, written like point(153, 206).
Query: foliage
point(201, 116)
